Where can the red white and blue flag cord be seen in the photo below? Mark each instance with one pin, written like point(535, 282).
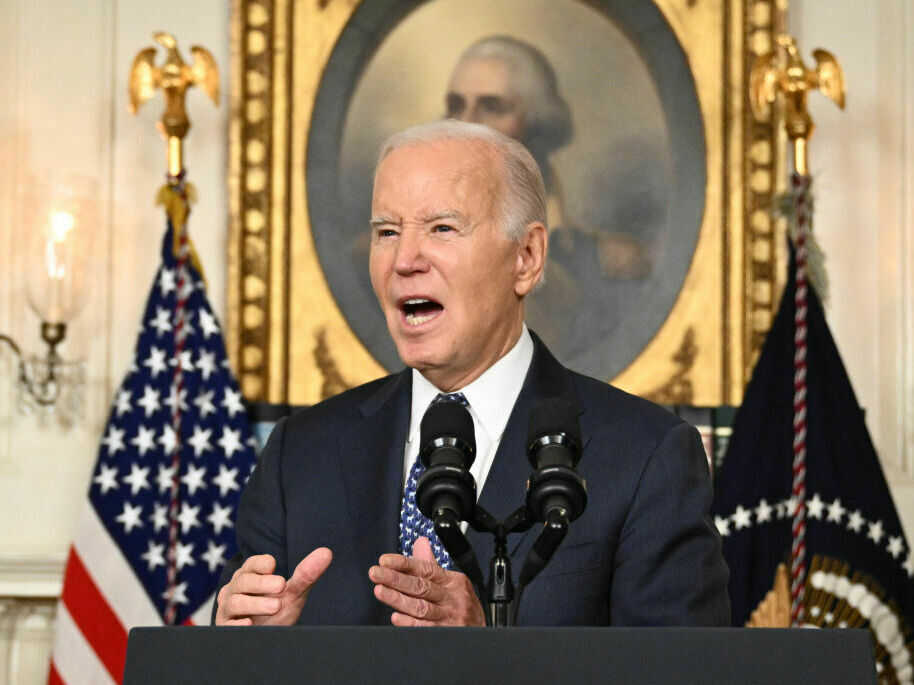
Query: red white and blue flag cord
point(802, 216)
point(180, 335)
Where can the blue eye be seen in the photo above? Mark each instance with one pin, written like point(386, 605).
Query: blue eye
point(386, 232)
point(442, 228)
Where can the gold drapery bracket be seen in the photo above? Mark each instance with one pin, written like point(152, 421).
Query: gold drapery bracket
point(174, 77)
point(782, 71)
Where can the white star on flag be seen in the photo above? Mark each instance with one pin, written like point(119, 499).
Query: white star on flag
point(177, 594)
point(130, 517)
point(895, 546)
point(723, 526)
point(815, 506)
point(154, 555)
point(145, 440)
point(150, 401)
point(226, 480)
point(186, 363)
point(122, 404)
point(204, 403)
point(138, 478)
point(162, 321)
point(232, 402)
point(214, 556)
point(908, 565)
point(168, 439)
point(193, 479)
point(167, 281)
point(114, 440)
point(206, 364)
point(156, 361)
point(855, 521)
point(159, 517)
point(836, 511)
point(876, 532)
point(742, 518)
point(208, 324)
point(165, 477)
point(179, 396)
point(107, 478)
point(184, 555)
point(230, 441)
point(188, 517)
point(763, 512)
point(200, 440)
point(221, 517)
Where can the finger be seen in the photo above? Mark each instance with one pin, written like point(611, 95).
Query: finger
point(309, 570)
point(259, 563)
point(240, 606)
point(415, 586)
point(422, 549)
point(256, 584)
point(404, 621)
point(416, 567)
point(238, 622)
point(411, 606)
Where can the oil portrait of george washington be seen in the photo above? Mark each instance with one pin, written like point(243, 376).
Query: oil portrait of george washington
point(611, 117)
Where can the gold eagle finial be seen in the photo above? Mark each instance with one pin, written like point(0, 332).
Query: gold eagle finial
point(782, 71)
point(174, 77)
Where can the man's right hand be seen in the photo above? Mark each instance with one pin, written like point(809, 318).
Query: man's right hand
point(254, 596)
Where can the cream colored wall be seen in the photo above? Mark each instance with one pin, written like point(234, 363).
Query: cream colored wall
point(64, 106)
point(863, 161)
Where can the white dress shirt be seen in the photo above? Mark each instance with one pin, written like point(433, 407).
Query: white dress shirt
point(491, 398)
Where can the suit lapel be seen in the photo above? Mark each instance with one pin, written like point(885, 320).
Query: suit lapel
point(372, 462)
point(505, 486)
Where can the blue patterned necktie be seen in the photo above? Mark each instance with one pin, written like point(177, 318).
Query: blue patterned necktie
point(413, 524)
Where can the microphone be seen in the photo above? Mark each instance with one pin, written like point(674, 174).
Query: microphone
point(446, 492)
point(447, 450)
point(554, 449)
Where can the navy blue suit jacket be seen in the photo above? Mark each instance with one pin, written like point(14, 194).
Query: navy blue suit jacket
point(645, 551)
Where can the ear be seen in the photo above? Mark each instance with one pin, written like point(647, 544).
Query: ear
point(531, 258)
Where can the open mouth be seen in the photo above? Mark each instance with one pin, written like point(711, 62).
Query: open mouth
point(419, 310)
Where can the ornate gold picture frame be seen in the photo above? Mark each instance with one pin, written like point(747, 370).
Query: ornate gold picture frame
point(305, 71)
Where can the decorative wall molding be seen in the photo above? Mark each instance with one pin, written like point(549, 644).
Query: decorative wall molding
point(31, 577)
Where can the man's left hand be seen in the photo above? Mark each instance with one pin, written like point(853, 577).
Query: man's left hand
point(421, 593)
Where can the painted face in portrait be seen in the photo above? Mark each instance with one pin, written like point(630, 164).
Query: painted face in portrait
point(480, 92)
point(449, 281)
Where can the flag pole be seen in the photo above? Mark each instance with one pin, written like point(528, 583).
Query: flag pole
point(174, 77)
point(781, 74)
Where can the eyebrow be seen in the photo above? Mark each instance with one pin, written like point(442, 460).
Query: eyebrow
point(437, 216)
point(383, 221)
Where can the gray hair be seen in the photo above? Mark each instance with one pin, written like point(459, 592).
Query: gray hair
point(523, 195)
point(547, 123)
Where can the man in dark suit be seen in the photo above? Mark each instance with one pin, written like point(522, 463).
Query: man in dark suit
point(458, 241)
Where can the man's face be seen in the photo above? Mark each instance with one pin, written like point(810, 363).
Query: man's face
point(448, 280)
point(480, 92)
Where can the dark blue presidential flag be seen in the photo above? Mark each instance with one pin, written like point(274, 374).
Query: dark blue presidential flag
point(174, 456)
point(859, 564)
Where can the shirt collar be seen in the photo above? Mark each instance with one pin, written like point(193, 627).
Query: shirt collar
point(491, 396)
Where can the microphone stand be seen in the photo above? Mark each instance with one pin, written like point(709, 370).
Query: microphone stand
point(501, 601)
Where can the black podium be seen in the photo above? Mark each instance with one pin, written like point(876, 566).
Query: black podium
point(478, 655)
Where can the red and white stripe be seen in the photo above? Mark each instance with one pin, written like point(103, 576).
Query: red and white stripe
point(800, 187)
point(102, 600)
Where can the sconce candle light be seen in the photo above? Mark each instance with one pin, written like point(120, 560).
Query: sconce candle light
point(59, 218)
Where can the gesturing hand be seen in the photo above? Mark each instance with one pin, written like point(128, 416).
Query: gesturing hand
point(421, 593)
point(254, 596)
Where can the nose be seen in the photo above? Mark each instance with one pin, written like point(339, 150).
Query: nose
point(410, 257)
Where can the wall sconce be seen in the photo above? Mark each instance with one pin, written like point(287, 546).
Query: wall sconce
point(60, 218)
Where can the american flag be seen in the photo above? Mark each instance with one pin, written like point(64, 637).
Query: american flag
point(174, 456)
